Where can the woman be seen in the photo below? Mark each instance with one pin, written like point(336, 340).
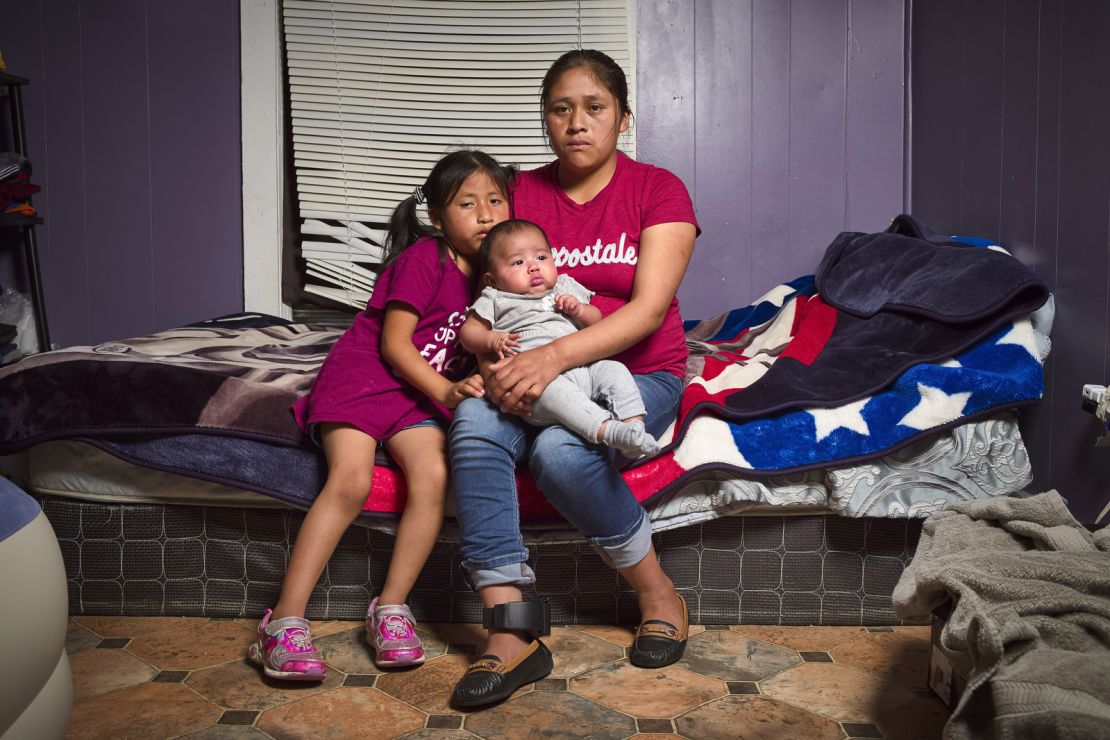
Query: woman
point(626, 231)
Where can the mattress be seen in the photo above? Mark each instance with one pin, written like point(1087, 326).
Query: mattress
point(818, 427)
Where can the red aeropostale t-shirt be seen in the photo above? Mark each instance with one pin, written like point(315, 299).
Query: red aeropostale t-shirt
point(598, 243)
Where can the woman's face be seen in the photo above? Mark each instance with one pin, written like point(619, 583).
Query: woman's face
point(583, 121)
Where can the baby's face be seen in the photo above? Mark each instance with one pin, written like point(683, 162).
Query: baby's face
point(521, 263)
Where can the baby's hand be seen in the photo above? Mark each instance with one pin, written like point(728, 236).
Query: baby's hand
point(503, 344)
point(567, 305)
point(472, 387)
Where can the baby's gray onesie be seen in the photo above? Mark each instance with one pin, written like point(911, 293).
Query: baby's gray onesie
point(581, 398)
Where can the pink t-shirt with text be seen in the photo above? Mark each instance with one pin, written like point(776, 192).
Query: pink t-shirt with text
point(598, 243)
point(356, 386)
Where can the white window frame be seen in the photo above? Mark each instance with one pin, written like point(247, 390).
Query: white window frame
point(263, 153)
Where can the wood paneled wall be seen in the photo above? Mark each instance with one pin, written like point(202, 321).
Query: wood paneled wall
point(133, 130)
point(785, 121)
point(1011, 140)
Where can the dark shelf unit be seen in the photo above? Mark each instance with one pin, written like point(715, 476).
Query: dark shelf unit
point(25, 224)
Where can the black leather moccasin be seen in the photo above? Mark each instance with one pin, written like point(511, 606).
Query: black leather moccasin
point(488, 680)
point(660, 643)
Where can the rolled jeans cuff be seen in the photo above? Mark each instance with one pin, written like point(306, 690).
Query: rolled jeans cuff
point(628, 548)
point(509, 574)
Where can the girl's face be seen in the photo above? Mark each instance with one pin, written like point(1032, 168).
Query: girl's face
point(583, 121)
point(473, 210)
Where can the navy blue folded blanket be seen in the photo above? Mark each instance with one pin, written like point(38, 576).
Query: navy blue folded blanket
point(893, 300)
point(902, 270)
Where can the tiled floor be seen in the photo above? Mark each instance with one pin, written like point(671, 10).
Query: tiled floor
point(163, 677)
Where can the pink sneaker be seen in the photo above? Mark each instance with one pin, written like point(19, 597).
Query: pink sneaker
point(392, 630)
point(284, 650)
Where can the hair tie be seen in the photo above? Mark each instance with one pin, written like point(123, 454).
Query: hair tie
point(418, 195)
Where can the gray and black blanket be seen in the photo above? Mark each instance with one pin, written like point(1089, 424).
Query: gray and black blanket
point(895, 338)
point(1031, 593)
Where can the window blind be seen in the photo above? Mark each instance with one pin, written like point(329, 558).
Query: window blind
point(379, 91)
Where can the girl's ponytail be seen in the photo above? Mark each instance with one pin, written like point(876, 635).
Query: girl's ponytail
point(405, 228)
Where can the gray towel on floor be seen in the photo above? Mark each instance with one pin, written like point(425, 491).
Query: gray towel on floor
point(1031, 591)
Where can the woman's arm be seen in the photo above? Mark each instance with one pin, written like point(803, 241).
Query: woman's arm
point(665, 251)
point(398, 350)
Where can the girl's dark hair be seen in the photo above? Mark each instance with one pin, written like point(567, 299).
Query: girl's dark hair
point(503, 230)
point(599, 64)
point(406, 228)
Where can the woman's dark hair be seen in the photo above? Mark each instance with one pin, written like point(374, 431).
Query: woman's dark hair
point(599, 64)
point(444, 181)
point(504, 230)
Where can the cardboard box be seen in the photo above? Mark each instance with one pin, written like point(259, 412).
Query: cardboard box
point(948, 671)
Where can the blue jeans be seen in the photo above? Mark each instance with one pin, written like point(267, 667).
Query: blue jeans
point(577, 477)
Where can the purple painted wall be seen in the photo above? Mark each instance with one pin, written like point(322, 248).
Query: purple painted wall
point(785, 121)
point(133, 129)
point(1010, 142)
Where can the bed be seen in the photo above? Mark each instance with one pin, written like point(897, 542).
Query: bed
point(818, 427)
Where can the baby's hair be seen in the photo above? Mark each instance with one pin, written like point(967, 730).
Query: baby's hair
point(444, 181)
point(504, 230)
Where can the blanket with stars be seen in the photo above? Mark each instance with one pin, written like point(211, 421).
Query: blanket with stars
point(898, 335)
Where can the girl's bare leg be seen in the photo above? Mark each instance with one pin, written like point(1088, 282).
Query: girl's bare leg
point(421, 452)
point(350, 454)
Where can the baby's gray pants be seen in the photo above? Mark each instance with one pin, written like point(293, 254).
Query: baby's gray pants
point(583, 397)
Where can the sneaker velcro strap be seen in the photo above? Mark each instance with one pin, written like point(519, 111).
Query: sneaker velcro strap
point(533, 617)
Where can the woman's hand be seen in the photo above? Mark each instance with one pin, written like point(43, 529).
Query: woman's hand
point(471, 387)
point(515, 382)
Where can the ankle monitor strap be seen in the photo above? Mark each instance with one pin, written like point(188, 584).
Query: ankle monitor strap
point(533, 617)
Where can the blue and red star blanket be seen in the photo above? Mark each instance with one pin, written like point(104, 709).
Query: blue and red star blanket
point(899, 334)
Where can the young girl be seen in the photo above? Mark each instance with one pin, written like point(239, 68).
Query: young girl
point(391, 378)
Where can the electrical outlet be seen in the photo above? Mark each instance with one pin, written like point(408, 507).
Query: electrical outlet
point(1092, 396)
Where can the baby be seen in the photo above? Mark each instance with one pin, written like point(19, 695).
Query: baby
point(527, 304)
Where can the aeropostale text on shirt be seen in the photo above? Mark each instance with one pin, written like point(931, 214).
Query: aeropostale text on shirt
point(615, 253)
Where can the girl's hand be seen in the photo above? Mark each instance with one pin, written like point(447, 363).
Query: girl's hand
point(515, 382)
point(471, 387)
point(567, 305)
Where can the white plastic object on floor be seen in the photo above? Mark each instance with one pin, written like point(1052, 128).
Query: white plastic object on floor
point(36, 686)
